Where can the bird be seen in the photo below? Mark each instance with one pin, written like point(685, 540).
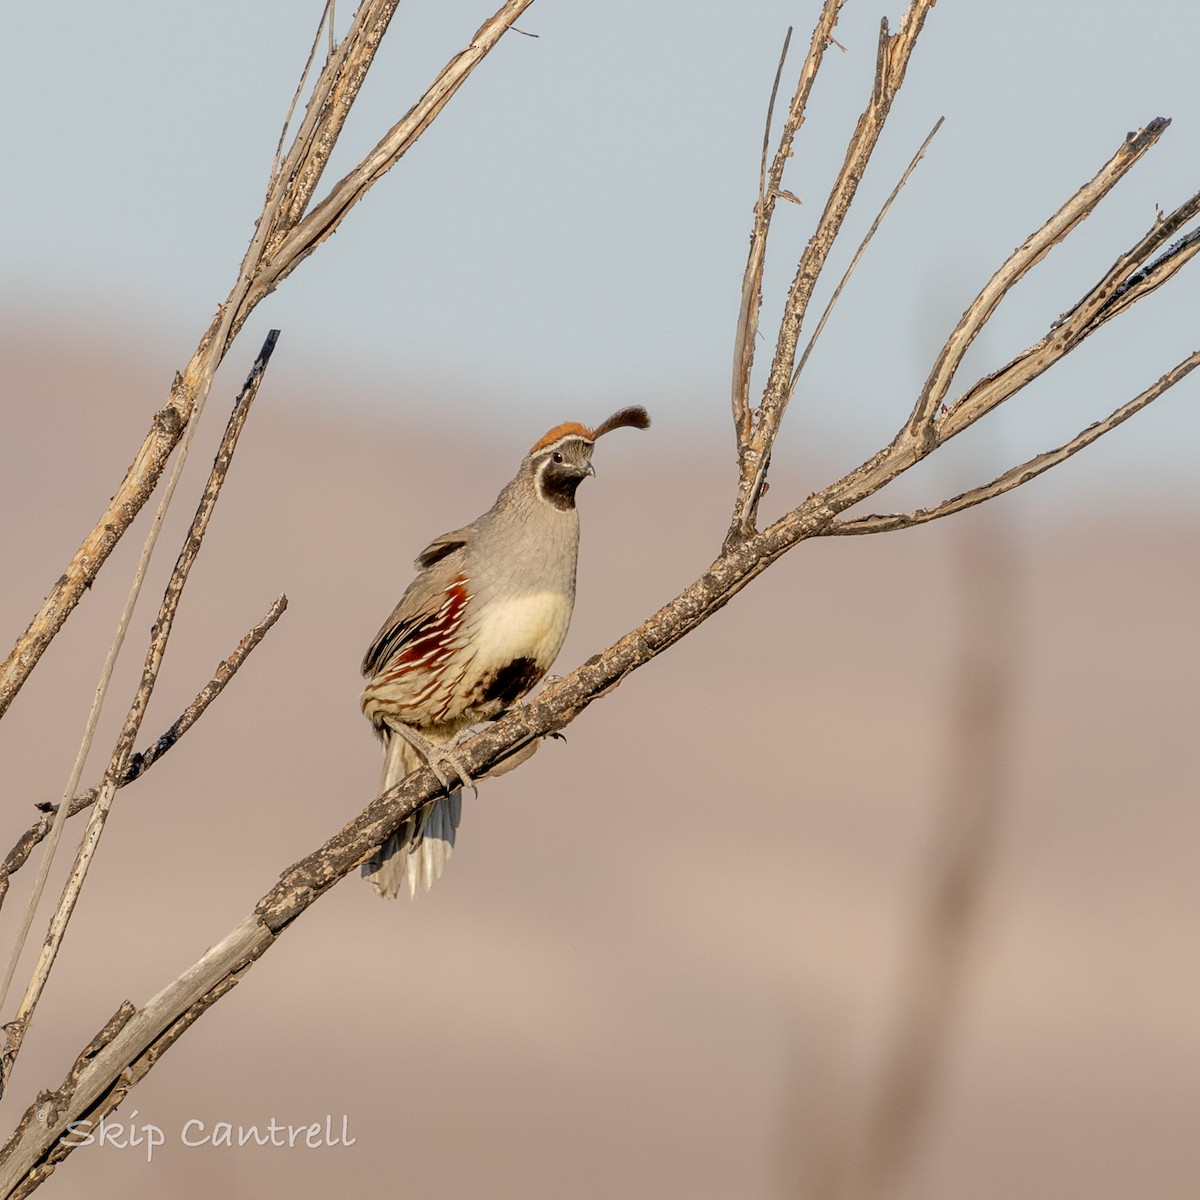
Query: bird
point(476, 629)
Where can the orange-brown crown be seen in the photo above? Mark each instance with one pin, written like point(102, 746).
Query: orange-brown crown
point(560, 431)
point(635, 417)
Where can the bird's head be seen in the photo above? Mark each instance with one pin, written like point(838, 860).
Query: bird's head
point(562, 459)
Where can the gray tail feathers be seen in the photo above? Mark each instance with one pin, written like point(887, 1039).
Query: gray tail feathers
point(423, 843)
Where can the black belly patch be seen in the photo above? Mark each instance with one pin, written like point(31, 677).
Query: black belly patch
point(510, 683)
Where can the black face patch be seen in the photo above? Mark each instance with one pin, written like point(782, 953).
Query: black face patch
point(510, 683)
point(560, 482)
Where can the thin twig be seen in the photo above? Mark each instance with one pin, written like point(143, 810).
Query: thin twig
point(333, 95)
point(766, 146)
point(143, 760)
point(160, 633)
point(140, 480)
point(764, 210)
point(837, 291)
point(326, 18)
point(1123, 285)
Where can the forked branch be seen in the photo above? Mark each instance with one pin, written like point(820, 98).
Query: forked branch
point(754, 452)
point(1016, 476)
point(1022, 260)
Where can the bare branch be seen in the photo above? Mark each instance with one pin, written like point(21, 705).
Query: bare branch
point(333, 95)
point(143, 760)
point(97, 705)
point(134, 1039)
point(96, 1084)
point(766, 146)
point(140, 480)
point(160, 633)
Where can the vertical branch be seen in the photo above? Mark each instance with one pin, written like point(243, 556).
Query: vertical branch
point(764, 210)
point(978, 744)
point(327, 18)
point(892, 60)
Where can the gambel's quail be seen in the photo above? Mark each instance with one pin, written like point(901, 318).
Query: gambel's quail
point(475, 630)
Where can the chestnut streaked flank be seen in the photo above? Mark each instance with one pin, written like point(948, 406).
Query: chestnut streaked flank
point(477, 628)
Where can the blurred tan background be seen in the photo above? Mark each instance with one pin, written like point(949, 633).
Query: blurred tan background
point(674, 956)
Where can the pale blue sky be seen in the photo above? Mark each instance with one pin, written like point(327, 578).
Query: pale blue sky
point(572, 230)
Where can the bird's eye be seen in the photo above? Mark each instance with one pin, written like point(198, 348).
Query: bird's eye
point(558, 456)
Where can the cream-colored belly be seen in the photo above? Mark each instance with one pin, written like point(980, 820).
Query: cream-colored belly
point(532, 626)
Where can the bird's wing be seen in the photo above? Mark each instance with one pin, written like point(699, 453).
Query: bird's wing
point(423, 605)
point(440, 547)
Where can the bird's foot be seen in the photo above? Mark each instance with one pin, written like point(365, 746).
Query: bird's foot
point(437, 756)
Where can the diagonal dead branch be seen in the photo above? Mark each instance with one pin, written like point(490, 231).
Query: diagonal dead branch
point(16, 1029)
point(166, 428)
point(143, 760)
point(894, 53)
point(1016, 476)
point(909, 448)
point(1155, 274)
point(97, 705)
